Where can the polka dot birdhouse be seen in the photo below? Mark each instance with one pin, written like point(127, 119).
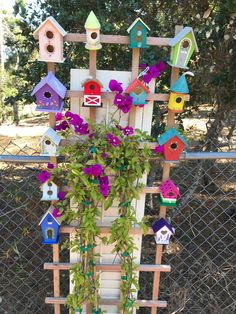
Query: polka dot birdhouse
point(162, 231)
point(49, 93)
point(50, 191)
point(169, 193)
point(138, 91)
point(173, 144)
point(50, 35)
point(92, 93)
point(50, 227)
point(182, 48)
point(178, 91)
point(138, 34)
point(49, 143)
point(92, 27)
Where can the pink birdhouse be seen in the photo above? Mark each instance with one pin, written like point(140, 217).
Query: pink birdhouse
point(169, 193)
point(50, 35)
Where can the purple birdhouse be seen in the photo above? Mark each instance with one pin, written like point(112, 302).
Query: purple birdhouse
point(162, 231)
point(169, 193)
point(50, 93)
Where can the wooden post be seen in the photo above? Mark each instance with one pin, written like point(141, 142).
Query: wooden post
point(92, 72)
point(165, 175)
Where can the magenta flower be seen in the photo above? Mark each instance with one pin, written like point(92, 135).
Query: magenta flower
point(50, 166)
point(104, 155)
point(158, 149)
point(43, 176)
point(104, 180)
point(119, 99)
point(113, 140)
point(147, 78)
point(161, 66)
point(154, 72)
point(58, 116)
point(94, 170)
point(58, 127)
point(141, 106)
point(61, 195)
point(128, 130)
point(76, 120)
point(56, 213)
point(104, 190)
point(91, 135)
point(69, 114)
point(143, 66)
point(82, 128)
point(115, 86)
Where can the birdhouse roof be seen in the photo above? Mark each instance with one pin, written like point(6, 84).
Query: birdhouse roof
point(169, 185)
point(135, 83)
point(92, 22)
point(132, 25)
point(180, 35)
point(91, 80)
point(54, 23)
point(49, 212)
point(53, 82)
point(53, 136)
point(169, 134)
point(159, 224)
point(180, 86)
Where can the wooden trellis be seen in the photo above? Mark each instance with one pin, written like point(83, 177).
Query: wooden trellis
point(75, 95)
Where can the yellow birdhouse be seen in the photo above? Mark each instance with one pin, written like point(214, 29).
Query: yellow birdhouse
point(178, 91)
point(92, 27)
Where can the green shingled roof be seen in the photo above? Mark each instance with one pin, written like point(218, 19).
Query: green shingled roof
point(92, 22)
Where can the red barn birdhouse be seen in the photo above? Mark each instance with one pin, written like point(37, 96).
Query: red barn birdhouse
point(169, 193)
point(173, 144)
point(92, 93)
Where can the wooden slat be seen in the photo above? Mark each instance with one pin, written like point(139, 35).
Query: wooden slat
point(105, 229)
point(109, 267)
point(116, 39)
point(140, 303)
point(92, 72)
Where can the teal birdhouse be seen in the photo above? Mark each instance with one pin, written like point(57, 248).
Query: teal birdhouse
point(138, 91)
point(138, 34)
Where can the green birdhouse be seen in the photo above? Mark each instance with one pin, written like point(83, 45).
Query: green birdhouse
point(182, 48)
point(138, 34)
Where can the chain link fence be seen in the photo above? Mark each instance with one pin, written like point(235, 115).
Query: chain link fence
point(201, 253)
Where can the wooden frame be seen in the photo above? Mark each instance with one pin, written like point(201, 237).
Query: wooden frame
point(157, 268)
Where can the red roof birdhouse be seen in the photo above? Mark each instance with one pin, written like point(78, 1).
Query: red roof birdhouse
point(169, 193)
point(92, 93)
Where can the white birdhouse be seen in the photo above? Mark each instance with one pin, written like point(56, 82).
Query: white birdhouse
point(50, 35)
point(50, 191)
point(49, 143)
point(162, 231)
point(92, 27)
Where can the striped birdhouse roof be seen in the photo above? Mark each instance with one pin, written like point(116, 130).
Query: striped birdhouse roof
point(182, 34)
point(169, 134)
point(135, 83)
point(54, 23)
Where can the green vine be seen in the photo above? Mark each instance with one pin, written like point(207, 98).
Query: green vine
point(103, 164)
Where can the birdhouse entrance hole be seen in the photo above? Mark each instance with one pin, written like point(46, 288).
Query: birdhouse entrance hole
point(47, 95)
point(173, 145)
point(49, 34)
point(92, 87)
point(49, 233)
point(94, 35)
point(50, 192)
point(50, 48)
point(163, 232)
point(47, 142)
point(178, 100)
point(185, 44)
point(170, 194)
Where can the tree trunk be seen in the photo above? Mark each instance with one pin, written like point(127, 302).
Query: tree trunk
point(16, 119)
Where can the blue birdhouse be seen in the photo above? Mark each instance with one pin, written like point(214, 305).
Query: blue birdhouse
point(138, 91)
point(138, 34)
point(50, 227)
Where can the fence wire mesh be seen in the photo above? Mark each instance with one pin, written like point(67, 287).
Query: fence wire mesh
point(201, 253)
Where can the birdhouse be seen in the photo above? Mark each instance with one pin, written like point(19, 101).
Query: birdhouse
point(138, 91)
point(50, 227)
point(92, 93)
point(173, 144)
point(169, 193)
point(50, 191)
point(163, 231)
point(49, 143)
point(92, 27)
point(178, 91)
point(50, 93)
point(182, 48)
point(138, 34)
point(50, 35)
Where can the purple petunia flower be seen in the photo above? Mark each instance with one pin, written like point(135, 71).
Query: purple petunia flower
point(119, 99)
point(58, 116)
point(115, 86)
point(43, 176)
point(113, 140)
point(94, 170)
point(147, 78)
point(128, 130)
point(104, 180)
point(76, 120)
point(82, 128)
point(104, 190)
point(50, 166)
point(62, 126)
point(69, 114)
point(158, 149)
point(58, 127)
point(56, 213)
point(61, 195)
point(161, 66)
point(154, 72)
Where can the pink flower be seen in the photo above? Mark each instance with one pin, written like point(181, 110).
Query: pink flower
point(76, 120)
point(115, 86)
point(161, 66)
point(119, 99)
point(113, 140)
point(147, 78)
point(94, 170)
point(58, 116)
point(69, 114)
point(143, 66)
point(141, 106)
point(104, 190)
point(104, 155)
point(104, 180)
point(61, 195)
point(56, 213)
point(91, 135)
point(128, 130)
point(82, 128)
point(50, 166)
point(43, 176)
point(154, 72)
point(158, 149)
